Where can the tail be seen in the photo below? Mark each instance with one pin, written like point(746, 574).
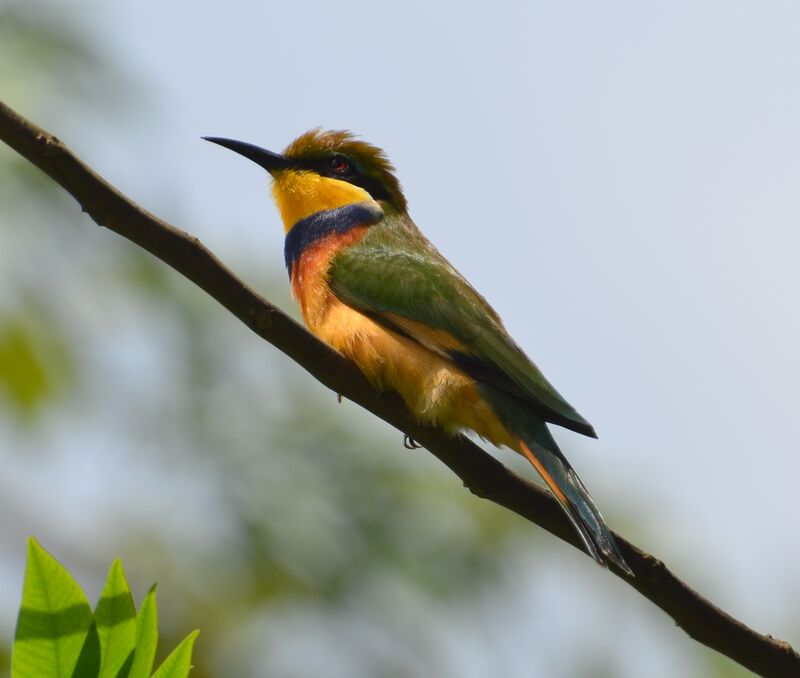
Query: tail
point(573, 496)
point(539, 447)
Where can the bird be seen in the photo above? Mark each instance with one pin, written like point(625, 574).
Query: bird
point(372, 286)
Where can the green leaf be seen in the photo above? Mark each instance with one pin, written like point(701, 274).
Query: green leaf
point(53, 621)
point(115, 618)
point(146, 637)
point(179, 663)
point(88, 665)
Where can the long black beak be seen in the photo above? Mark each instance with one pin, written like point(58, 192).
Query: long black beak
point(272, 162)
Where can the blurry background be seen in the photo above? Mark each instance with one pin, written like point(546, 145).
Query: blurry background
point(620, 180)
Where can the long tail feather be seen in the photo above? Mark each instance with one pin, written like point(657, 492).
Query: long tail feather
point(542, 452)
point(536, 443)
point(571, 493)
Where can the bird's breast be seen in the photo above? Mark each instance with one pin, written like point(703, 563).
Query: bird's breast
point(309, 275)
point(434, 389)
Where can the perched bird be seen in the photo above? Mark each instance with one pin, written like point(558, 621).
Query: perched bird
point(371, 285)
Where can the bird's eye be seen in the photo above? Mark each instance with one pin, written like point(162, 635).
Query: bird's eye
point(340, 164)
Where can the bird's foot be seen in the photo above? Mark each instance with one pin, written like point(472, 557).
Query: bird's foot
point(409, 443)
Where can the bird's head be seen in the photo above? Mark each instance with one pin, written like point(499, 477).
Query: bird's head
point(323, 170)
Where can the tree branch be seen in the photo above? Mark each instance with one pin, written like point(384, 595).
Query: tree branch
point(481, 473)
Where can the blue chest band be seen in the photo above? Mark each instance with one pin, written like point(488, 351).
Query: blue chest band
point(316, 226)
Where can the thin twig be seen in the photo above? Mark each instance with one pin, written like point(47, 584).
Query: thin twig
point(481, 473)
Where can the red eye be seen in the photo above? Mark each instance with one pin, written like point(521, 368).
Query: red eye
point(339, 164)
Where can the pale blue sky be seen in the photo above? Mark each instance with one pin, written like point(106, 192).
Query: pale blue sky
point(618, 179)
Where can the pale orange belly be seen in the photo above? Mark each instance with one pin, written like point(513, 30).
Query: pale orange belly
point(433, 388)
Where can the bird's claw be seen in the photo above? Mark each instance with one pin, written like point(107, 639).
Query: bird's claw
point(409, 443)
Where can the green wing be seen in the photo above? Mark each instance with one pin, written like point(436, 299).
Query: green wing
point(398, 278)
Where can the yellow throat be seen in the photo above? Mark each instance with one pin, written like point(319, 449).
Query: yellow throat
point(299, 194)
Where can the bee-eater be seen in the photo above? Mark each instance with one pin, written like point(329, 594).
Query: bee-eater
point(371, 285)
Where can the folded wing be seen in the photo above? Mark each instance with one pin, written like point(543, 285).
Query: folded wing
point(398, 278)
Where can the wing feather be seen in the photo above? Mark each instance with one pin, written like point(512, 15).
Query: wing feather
point(397, 277)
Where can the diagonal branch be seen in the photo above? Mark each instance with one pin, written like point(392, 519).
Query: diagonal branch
point(481, 473)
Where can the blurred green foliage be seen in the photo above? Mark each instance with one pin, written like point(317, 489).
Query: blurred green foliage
point(35, 361)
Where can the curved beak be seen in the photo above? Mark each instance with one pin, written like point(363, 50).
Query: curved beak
point(272, 162)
